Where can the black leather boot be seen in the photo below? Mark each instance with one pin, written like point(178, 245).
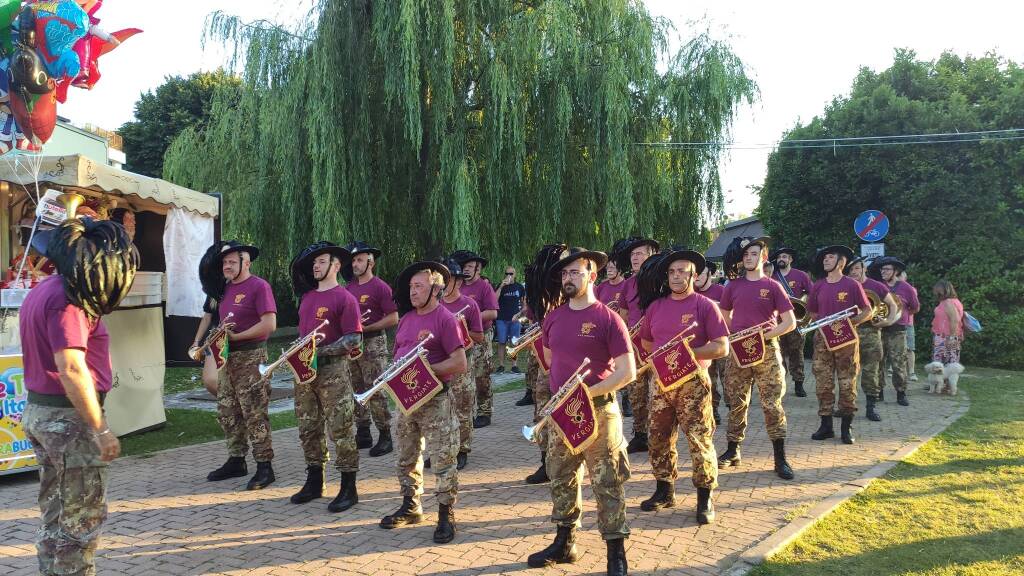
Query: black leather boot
point(617, 565)
point(847, 429)
point(383, 445)
point(718, 419)
point(527, 399)
point(540, 476)
point(901, 399)
point(871, 414)
point(347, 496)
point(445, 531)
point(410, 512)
point(481, 421)
point(426, 463)
point(263, 477)
point(664, 497)
point(782, 468)
point(825, 431)
point(313, 488)
point(881, 394)
point(235, 467)
point(705, 509)
point(638, 443)
point(461, 459)
point(800, 392)
point(731, 456)
point(363, 438)
point(561, 551)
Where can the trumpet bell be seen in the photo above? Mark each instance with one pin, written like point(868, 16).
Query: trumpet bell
point(363, 398)
point(263, 368)
point(528, 433)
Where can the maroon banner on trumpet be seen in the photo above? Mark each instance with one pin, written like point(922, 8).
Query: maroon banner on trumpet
point(575, 419)
point(303, 363)
point(749, 351)
point(675, 366)
point(414, 386)
point(467, 342)
point(638, 345)
point(219, 349)
point(537, 346)
point(839, 334)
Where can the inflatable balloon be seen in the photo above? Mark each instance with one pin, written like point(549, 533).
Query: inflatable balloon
point(89, 50)
point(36, 116)
point(10, 135)
point(8, 12)
point(58, 26)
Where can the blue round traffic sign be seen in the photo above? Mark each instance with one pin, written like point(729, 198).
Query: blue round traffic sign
point(871, 225)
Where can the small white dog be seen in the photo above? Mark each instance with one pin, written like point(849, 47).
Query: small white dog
point(940, 376)
point(935, 381)
point(952, 374)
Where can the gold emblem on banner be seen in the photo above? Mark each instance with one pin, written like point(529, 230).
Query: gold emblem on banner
point(410, 379)
point(575, 410)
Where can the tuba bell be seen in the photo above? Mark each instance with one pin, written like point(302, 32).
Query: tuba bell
point(71, 201)
point(879, 307)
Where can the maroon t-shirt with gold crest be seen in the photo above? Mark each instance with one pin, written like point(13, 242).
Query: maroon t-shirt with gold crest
point(336, 305)
point(753, 301)
point(248, 300)
point(596, 332)
point(827, 299)
point(799, 282)
point(666, 317)
point(608, 293)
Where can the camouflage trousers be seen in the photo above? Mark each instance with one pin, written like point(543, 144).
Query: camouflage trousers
point(831, 367)
point(687, 407)
point(639, 400)
point(463, 395)
point(608, 465)
point(483, 365)
point(717, 375)
point(536, 378)
point(894, 357)
point(364, 371)
point(327, 402)
point(243, 398)
point(436, 424)
point(793, 354)
point(72, 489)
point(770, 378)
point(870, 357)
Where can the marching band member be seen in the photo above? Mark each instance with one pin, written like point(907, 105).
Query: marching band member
point(213, 282)
point(752, 299)
point(833, 293)
point(378, 313)
point(463, 390)
point(708, 287)
point(870, 334)
point(639, 250)
point(578, 329)
point(671, 306)
point(887, 269)
point(417, 292)
point(327, 399)
point(792, 343)
point(243, 396)
point(480, 290)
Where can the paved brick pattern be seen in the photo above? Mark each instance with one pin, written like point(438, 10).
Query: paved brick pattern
point(166, 519)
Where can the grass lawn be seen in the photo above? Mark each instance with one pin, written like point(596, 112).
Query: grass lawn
point(956, 507)
point(185, 427)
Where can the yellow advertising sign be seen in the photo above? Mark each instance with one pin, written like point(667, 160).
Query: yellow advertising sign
point(16, 451)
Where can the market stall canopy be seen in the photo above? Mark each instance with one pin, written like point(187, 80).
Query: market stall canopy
point(83, 173)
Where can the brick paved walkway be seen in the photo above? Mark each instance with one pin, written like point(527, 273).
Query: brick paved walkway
point(166, 519)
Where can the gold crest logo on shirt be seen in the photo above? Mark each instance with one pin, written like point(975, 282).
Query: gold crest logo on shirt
point(364, 298)
point(422, 334)
point(587, 328)
point(792, 284)
point(321, 311)
point(841, 296)
point(239, 298)
point(764, 293)
point(617, 294)
point(685, 319)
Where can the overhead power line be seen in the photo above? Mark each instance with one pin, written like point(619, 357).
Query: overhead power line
point(856, 141)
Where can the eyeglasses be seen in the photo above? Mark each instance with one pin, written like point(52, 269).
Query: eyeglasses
point(510, 273)
point(574, 274)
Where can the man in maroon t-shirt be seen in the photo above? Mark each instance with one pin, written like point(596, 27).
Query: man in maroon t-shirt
point(243, 396)
point(887, 270)
point(792, 343)
point(870, 334)
point(582, 328)
point(831, 294)
point(378, 313)
point(327, 400)
point(707, 286)
point(417, 293)
point(639, 250)
point(479, 288)
point(65, 351)
point(671, 309)
point(751, 299)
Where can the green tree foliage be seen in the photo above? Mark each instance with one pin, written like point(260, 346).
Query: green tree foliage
point(956, 209)
point(161, 115)
point(429, 125)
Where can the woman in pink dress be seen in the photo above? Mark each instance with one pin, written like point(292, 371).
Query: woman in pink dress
point(947, 338)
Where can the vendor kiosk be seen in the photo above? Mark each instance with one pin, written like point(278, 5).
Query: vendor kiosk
point(171, 226)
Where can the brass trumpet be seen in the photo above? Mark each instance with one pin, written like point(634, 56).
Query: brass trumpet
point(530, 432)
point(266, 371)
point(851, 311)
point(218, 332)
point(747, 332)
point(393, 370)
point(675, 340)
point(365, 317)
point(879, 307)
point(523, 341)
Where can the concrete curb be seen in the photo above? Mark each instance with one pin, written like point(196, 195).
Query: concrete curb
point(765, 549)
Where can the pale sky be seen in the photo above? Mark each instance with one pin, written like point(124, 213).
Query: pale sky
point(802, 54)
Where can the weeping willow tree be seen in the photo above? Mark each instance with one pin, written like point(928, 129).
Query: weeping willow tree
point(497, 125)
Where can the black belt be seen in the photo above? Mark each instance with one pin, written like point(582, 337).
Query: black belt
point(895, 328)
point(603, 400)
point(57, 400)
point(374, 334)
point(246, 346)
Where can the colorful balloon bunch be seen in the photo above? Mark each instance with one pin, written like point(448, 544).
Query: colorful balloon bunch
point(45, 48)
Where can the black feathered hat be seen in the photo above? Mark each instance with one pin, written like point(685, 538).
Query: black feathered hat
point(733, 257)
point(401, 290)
point(875, 269)
point(211, 276)
point(302, 265)
point(819, 257)
point(464, 256)
point(454, 268)
point(357, 247)
point(573, 254)
point(849, 265)
point(543, 292)
point(236, 246)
